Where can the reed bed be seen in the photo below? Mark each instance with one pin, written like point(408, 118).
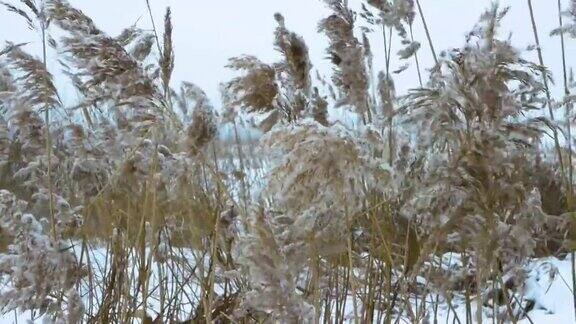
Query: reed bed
point(129, 207)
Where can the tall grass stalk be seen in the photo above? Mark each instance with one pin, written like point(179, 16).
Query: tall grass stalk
point(430, 44)
point(568, 120)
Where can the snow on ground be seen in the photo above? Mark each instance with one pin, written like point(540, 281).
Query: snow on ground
point(548, 285)
point(98, 264)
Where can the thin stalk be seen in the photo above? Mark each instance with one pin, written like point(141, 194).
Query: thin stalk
point(416, 58)
point(385, 47)
point(568, 112)
point(427, 32)
point(154, 27)
point(208, 296)
point(352, 280)
point(48, 139)
point(387, 65)
point(573, 270)
point(547, 89)
point(388, 55)
point(391, 151)
point(242, 166)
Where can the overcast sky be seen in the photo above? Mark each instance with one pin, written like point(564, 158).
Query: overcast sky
point(207, 33)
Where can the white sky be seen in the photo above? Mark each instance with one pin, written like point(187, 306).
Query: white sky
point(207, 33)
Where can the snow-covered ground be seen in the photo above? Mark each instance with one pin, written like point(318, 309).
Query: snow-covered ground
point(547, 287)
point(546, 294)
